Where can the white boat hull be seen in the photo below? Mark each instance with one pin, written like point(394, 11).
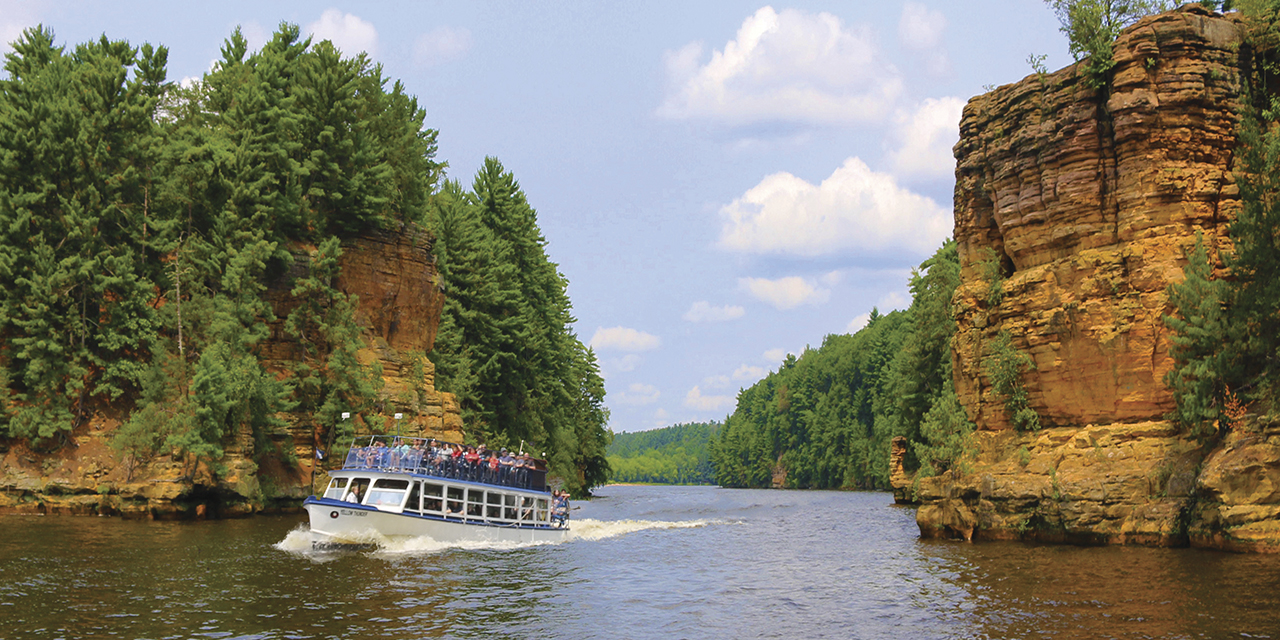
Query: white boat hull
point(337, 523)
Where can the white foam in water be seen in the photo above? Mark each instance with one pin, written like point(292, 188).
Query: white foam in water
point(298, 541)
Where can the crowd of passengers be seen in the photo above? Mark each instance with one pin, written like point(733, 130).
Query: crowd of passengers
point(477, 464)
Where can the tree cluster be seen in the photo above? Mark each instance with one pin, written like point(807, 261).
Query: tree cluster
point(678, 454)
point(141, 220)
point(506, 344)
point(827, 417)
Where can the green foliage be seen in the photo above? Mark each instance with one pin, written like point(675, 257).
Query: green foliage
point(140, 221)
point(1227, 332)
point(678, 454)
point(827, 417)
point(993, 273)
point(1092, 26)
point(1004, 366)
point(1200, 329)
point(505, 344)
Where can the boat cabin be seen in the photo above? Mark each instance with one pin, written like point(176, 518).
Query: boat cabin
point(439, 497)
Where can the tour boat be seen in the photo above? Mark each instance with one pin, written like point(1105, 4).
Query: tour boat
point(400, 487)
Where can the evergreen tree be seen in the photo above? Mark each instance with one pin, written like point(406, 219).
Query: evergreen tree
point(1200, 336)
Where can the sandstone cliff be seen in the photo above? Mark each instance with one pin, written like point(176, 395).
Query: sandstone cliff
point(1081, 204)
point(394, 277)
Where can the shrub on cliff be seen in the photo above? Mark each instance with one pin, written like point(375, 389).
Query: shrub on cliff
point(1092, 26)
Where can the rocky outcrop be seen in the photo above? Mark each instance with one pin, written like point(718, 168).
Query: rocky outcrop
point(394, 278)
point(1074, 210)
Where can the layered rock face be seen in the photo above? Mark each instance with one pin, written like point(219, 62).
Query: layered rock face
point(1075, 208)
point(393, 275)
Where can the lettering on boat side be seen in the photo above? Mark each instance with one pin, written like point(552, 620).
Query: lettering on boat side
point(348, 512)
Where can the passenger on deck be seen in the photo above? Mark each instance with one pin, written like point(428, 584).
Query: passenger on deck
point(560, 508)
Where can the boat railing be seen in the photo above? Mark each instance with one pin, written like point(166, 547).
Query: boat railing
point(425, 456)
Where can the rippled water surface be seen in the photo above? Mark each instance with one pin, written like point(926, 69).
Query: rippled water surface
point(643, 562)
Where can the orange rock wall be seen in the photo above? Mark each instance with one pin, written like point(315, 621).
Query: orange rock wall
point(1082, 204)
point(394, 277)
point(1090, 199)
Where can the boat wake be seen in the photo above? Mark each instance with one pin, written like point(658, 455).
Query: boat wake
point(298, 541)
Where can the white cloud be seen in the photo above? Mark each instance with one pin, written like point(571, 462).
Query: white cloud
point(785, 293)
point(854, 209)
point(716, 382)
point(638, 394)
point(749, 373)
point(792, 67)
point(702, 311)
point(920, 30)
point(925, 139)
point(775, 355)
point(695, 400)
point(894, 300)
point(623, 339)
point(348, 32)
point(441, 44)
point(920, 27)
point(858, 322)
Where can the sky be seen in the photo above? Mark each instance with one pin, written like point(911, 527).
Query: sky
point(722, 183)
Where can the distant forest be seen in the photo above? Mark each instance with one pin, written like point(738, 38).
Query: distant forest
point(141, 219)
point(827, 416)
point(672, 455)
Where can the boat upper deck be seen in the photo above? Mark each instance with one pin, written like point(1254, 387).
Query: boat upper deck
point(425, 456)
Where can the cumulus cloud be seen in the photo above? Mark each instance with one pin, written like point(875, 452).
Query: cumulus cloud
point(858, 322)
point(920, 30)
point(623, 339)
point(348, 32)
point(775, 355)
point(702, 311)
point(716, 382)
point(920, 27)
point(789, 66)
point(440, 45)
point(638, 394)
point(785, 293)
point(695, 400)
point(853, 209)
point(749, 373)
point(925, 138)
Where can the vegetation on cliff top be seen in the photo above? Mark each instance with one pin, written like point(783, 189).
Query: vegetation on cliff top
point(140, 221)
point(678, 454)
point(825, 419)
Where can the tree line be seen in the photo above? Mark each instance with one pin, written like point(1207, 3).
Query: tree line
point(140, 220)
point(678, 454)
point(824, 419)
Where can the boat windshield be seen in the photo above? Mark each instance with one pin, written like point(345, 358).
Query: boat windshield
point(387, 492)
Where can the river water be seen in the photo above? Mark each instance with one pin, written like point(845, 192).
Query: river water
point(642, 562)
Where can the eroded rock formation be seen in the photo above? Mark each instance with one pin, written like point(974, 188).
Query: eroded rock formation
point(394, 277)
point(1074, 210)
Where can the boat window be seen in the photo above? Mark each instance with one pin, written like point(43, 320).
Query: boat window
point(414, 503)
point(542, 510)
point(494, 509)
point(454, 502)
point(510, 512)
point(431, 493)
point(475, 503)
point(336, 488)
point(526, 509)
point(387, 492)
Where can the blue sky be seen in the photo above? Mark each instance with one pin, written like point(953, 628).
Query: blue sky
point(721, 182)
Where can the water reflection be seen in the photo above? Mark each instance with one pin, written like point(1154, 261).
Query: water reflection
point(1035, 591)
